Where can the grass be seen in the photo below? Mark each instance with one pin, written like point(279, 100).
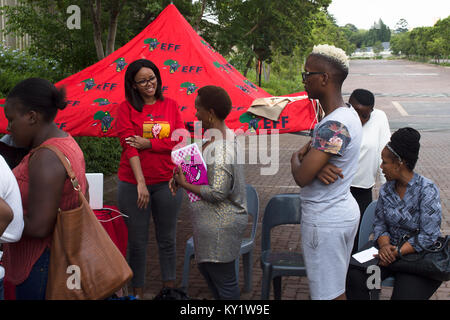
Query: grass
point(278, 86)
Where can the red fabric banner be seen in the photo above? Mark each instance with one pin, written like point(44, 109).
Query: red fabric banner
point(186, 62)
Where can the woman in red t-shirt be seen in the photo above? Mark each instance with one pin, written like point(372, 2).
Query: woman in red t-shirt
point(145, 124)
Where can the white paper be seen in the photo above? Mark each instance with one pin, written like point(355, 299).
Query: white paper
point(365, 255)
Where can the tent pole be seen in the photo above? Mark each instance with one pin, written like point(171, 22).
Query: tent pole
point(259, 72)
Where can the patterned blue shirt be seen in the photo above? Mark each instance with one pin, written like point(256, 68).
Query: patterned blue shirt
point(420, 209)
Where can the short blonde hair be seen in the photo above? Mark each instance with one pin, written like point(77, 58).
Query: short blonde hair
point(332, 53)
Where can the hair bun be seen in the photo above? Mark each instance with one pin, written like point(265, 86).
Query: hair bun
point(405, 141)
point(59, 98)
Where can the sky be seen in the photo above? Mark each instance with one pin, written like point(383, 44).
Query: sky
point(363, 13)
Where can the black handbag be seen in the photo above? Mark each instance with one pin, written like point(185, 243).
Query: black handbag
point(433, 262)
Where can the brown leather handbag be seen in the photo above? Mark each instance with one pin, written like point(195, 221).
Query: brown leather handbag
point(84, 261)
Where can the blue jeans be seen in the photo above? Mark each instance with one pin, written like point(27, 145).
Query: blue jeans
point(34, 287)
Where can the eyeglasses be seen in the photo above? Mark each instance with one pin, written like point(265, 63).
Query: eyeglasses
point(307, 74)
point(143, 83)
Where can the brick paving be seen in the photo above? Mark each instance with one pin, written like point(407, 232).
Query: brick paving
point(433, 163)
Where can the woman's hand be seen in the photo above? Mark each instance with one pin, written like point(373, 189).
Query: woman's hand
point(138, 142)
point(173, 186)
point(143, 196)
point(179, 177)
point(387, 255)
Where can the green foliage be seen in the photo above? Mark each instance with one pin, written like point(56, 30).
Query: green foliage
point(100, 154)
point(377, 48)
point(379, 32)
point(366, 38)
point(326, 31)
point(262, 27)
point(401, 26)
point(45, 22)
point(279, 84)
point(424, 42)
point(16, 65)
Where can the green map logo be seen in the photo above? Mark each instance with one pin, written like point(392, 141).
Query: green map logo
point(173, 65)
point(220, 66)
point(120, 64)
point(152, 43)
point(102, 101)
point(190, 87)
point(105, 120)
point(206, 44)
point(251, 119)
point(250, 84)
point(247, 86)
point(89, 84)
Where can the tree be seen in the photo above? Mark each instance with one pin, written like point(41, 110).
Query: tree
point(400, 44)
point(378, 32)
point(377, 48)
point(401, 26)
point(45, 22)
point(442, 30)
point(105, 24)
point(257, 28)
point(436, 48)
point(114, 8)
point(325, 30)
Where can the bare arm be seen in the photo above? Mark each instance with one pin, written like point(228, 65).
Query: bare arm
point(6, 215)
point(143, 194)
point(305, 171)
point(47, 177)
point(180, 179)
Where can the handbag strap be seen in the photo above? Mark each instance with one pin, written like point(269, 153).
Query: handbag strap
point(439, 245)
point(65, 162)
point(405, 239)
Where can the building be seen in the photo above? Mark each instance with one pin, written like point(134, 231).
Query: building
point(367, 52)
point(9, 40)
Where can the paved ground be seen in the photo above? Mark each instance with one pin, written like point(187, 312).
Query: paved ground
point(411, 94)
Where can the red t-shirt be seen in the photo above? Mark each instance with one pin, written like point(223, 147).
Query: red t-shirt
point(156, 122)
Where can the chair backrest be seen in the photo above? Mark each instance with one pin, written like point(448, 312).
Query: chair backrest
point(282, 208)
point(253, 207)
point(95, 181)
point(366, 225)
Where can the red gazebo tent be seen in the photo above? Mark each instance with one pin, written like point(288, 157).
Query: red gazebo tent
point(186, 62)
